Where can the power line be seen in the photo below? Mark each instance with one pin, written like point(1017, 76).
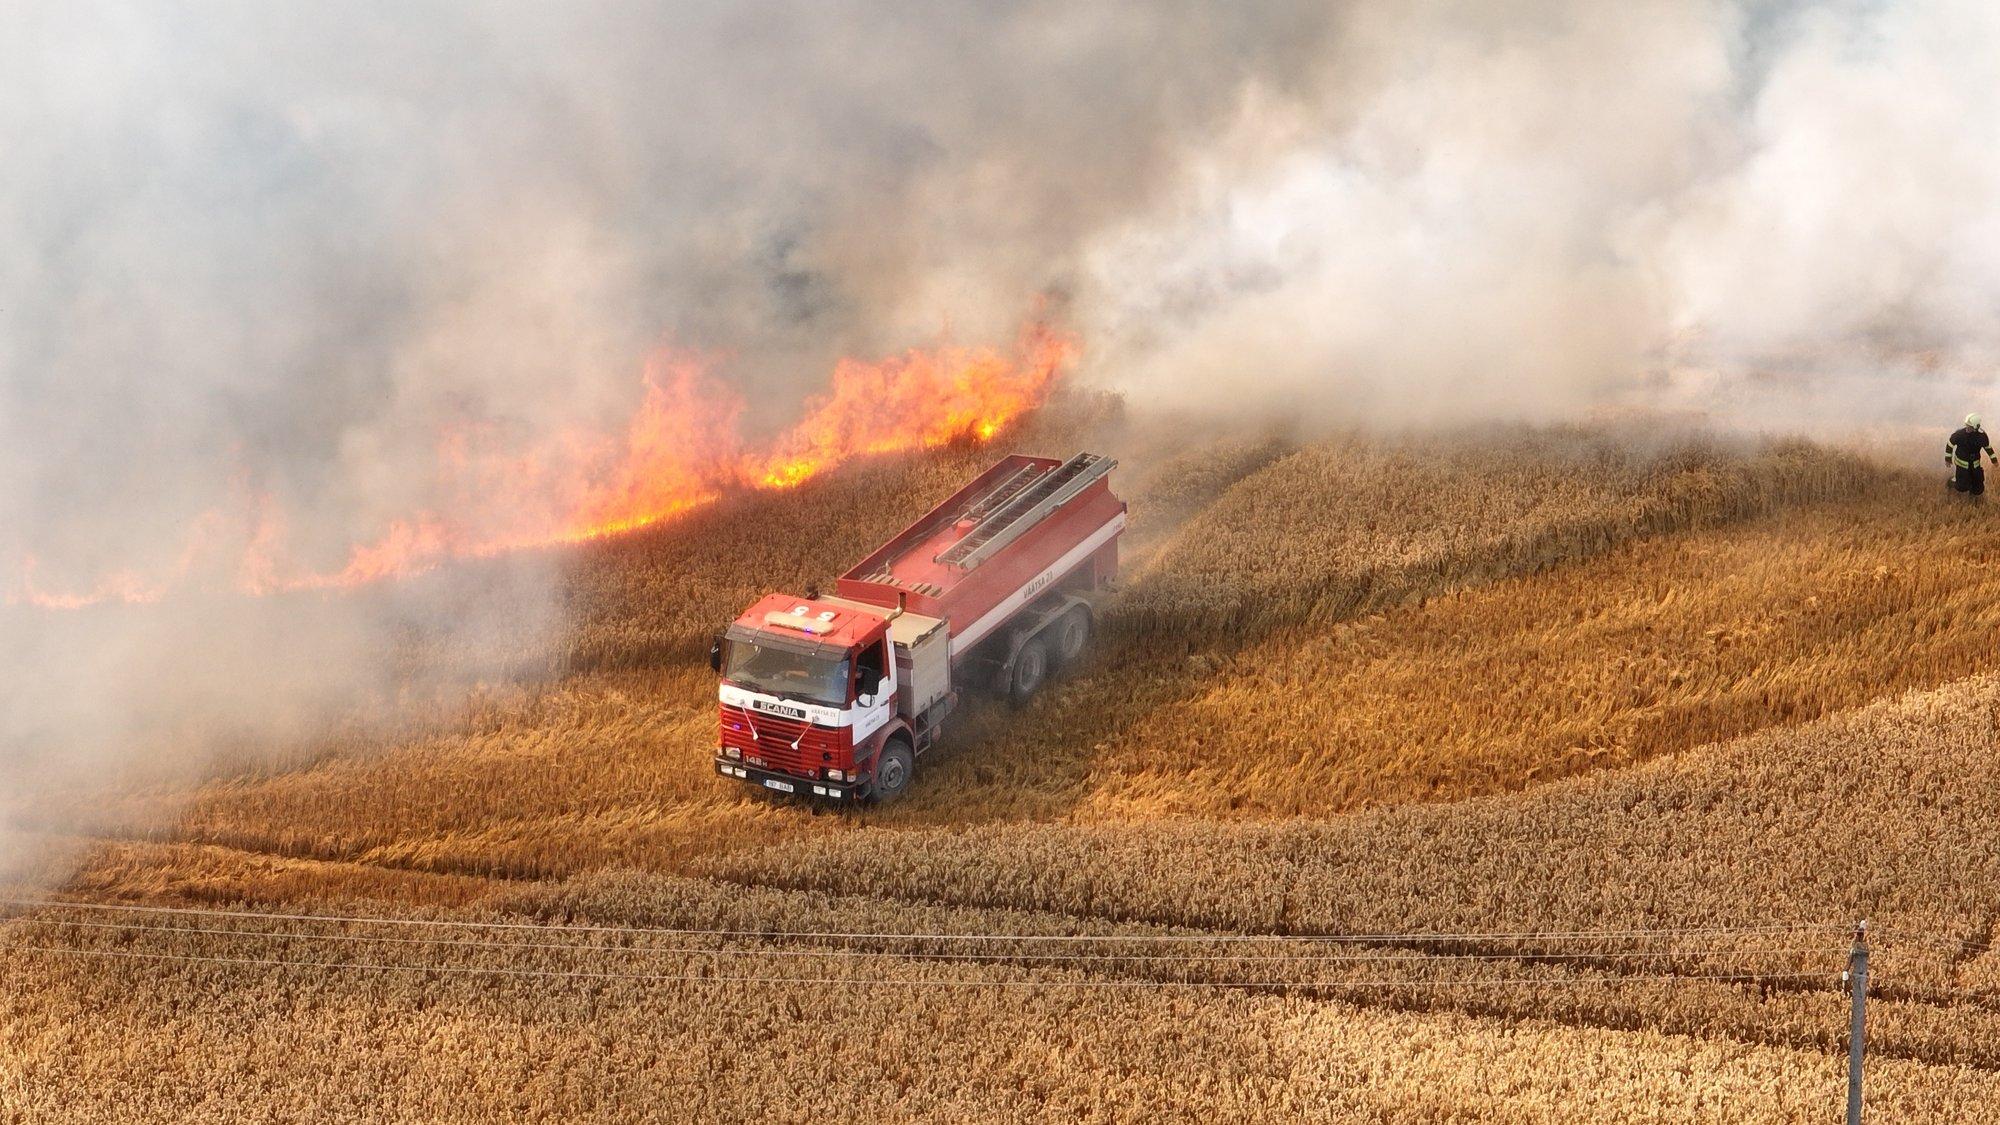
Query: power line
point(878, 935)
point(755, 951)
point(910, 982)
point(1955, 945)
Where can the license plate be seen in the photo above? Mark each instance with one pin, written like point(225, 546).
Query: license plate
point(780, 786)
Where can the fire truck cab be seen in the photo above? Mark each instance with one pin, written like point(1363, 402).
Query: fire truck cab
point(822, 686)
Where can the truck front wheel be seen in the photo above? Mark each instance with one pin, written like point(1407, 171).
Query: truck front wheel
point(1031, 667)
point(894, 769)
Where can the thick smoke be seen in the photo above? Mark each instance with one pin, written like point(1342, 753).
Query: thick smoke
point(1779, 215)
point(273, 251)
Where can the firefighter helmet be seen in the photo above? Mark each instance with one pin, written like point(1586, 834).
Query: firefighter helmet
point(1972, 420)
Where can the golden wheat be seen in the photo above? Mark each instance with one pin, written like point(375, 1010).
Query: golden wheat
point(1343, 528)
point(1670, 644)
point(1273, 655)
point(1880, 813)
point(140, 1040)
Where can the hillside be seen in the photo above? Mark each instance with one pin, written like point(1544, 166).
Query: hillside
point(1565, 683)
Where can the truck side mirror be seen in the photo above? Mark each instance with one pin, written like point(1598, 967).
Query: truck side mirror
point(715, 653)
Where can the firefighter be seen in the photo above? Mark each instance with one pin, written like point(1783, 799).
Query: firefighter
point(1961, 452)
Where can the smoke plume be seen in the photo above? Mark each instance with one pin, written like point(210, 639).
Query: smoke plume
point(1779, 214)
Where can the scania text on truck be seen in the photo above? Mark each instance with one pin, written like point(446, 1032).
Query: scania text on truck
point(837, 697)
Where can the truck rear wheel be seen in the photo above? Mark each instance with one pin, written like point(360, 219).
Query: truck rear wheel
point(894, 769)
point(1069, 635)
point(1031, 668)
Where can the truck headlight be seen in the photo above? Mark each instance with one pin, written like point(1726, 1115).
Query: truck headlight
point(731, 752)
point(836, 775)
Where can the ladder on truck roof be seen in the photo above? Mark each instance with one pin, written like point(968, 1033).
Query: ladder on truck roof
point(1001, 492)
point(976, 509)
point(1027, 502)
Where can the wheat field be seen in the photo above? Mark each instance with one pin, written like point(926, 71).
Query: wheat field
point(1731, 695)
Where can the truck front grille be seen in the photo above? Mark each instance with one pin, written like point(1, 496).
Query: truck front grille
point(772, 746)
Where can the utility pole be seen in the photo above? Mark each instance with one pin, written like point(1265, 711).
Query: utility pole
point(1857, 1032)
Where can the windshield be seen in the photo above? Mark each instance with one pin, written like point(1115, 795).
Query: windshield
point(781, 671)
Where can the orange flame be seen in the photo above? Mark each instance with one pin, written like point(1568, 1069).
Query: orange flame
point(918, 400)
point(681, 450)
point(683, 431)
point(127, 586)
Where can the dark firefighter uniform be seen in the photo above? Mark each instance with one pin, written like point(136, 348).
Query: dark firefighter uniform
point(1962, 450)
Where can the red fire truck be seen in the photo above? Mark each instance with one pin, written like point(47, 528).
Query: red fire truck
point(837, 697)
